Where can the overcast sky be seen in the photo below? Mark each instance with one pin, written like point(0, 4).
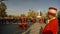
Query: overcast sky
point(14, 7)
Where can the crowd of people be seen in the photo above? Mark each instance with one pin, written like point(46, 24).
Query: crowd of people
point(8, 20)
point(49, 25)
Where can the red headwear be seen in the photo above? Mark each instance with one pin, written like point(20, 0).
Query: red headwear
point(52, 11)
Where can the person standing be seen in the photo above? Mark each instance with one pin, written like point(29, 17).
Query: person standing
point(23, 24)
point(59, 17)
point(36, 27)
point(52, 26)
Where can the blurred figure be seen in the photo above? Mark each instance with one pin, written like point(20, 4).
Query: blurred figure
point(45, 20)
point(23, 24)
point(52, 26)
point(36, 27)
point(59, 17)
point(34, 19)
point(41, 19)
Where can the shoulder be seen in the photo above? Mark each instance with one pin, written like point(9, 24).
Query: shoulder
point(54, 20)
point(54, 23)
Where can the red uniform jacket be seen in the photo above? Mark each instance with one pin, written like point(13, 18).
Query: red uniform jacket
point(23, 25)
point(24, 20)
point(51, 27)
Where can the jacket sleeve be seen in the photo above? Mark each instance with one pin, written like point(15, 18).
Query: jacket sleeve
point(48, 32)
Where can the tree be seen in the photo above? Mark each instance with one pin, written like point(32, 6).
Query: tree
point(3, 9)
point(22, 15)
point(32, 13)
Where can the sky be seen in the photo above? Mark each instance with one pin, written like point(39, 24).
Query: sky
point(16, 7)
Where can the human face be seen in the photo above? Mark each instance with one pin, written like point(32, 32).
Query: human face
point(49, 16)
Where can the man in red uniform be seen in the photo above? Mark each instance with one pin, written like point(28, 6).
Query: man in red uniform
point(23, 24)
point(52, 26)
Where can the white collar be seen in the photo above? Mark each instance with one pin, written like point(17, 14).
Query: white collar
point(51, 19)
